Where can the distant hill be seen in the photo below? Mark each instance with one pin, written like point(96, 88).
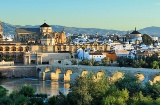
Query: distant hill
point(151, 30)
point(9, 29)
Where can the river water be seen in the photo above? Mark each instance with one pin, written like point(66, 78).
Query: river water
point(47, 87)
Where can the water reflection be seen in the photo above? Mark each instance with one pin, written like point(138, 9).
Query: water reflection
point(48, 87)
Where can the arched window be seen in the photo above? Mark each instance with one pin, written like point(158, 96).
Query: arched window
point(7, 48)
point(1, 48)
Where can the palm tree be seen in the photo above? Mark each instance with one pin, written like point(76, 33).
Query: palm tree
point(83, 48)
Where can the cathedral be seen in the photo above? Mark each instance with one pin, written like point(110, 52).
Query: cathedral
point(40, 45)
point(42, 35)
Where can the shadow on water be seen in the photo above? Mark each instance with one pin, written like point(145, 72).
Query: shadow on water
point(47, 87)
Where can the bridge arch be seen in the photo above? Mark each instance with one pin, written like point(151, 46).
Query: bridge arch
point(47, 69)
point(140, 77)
point(116, 75)
point(84, 72)
point(100, 74)
point(38, 71)
point(156, 78)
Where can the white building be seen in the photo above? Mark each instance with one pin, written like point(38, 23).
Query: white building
point(96, 55)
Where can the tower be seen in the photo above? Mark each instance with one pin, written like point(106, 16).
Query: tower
point(63, 36)
point(96, 34)
point(1, 31)
point(45, 29)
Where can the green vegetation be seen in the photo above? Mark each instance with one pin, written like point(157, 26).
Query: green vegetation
point(140, 62)
point(74, 61)
point(104, 62)
point(152, 61)
point(90, 90)
point(7, 59)
point(26, 96)
point(147, 40)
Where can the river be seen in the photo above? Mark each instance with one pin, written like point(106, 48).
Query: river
point(47, 87)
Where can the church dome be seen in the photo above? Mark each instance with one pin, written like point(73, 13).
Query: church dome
point(45, 25)
point(135, 32)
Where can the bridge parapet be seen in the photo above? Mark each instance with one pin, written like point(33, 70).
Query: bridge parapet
point(144, 74)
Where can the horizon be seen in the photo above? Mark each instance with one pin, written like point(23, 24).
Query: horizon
point(103, 14)
point(83, 27)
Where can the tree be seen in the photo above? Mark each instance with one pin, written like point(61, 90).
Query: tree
point(152, 90)
point(52, 100)
point(114, 96)
point(155, 65)
point(36, 101)
point(3, 91)
point(61, 99)
point(92, 62)
point(21, 100)
point(140, 99)
point(150, 59)
point(74, 62)
point(87, 90)
point(147, 40)
point(84, 62)
point(105, 61)
point(83, 48)
point(5, 100)
point(27, 91)
point(129, 82)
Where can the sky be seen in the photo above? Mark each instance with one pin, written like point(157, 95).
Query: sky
point(105, 14)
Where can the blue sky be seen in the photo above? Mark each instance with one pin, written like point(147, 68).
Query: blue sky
point(105, 14)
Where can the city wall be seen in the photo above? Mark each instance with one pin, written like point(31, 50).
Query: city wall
point(18, 71)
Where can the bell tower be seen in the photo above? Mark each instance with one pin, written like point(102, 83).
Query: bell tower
point(1, 31)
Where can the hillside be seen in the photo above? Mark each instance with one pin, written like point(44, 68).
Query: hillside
point(9, 29)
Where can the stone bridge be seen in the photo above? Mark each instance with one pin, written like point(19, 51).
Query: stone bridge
point(71, 72)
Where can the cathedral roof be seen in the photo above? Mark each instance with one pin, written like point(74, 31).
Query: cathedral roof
point(135, 32)
point(28, 30)
point(45, 25)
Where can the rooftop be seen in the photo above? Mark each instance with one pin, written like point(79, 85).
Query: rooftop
point(45, 25)
point(135, 32)
point(28, 30)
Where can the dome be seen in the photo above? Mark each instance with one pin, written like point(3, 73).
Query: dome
point(135, 32)
point(45, 25)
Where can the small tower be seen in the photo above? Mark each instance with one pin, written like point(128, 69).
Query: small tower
point(45, 29)
point(62, 36)
point(1, 31)
point(96, 34)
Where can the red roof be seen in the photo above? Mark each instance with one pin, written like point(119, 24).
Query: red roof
point(111, 56)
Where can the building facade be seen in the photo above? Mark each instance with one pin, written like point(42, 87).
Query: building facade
point(30, 45)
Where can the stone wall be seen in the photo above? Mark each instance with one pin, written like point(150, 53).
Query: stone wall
point(55, 56)
point(7, 63)
point(18, 71)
